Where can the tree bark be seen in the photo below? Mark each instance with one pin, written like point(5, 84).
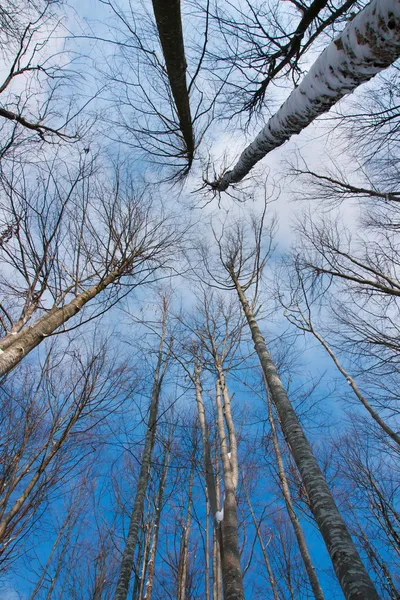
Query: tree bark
point(230, 555)
point(169, 25)
point(311, 572)
point(122, 589)
point(353, 577)
point(145, 557)
point(209, 470)
point(13, 348)
point(156, 525)
point(368, 44)
point(207, 551)
point(184, 553)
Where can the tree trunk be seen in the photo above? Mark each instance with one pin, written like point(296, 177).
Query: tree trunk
point(368, 44)
point(217, 551)
point(13, 348)
point(263, 548)
point(311, 572)
point(208, 467)
point(395, 436)
point(156, 525)
point(121, 592)
point(352, 575)
point(184, 553)
point(145, 557)
point(230, 555)
point(169, 25)
point(207, 551)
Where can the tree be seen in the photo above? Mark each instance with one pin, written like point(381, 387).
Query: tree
point(56, 411)
point(262, 43)
point(119, 242)
point(122, 589)
point(367, 45)
point(27, 31)
point(169, 26)
point(243, 269)
point(216, 339)
point(160, 108)
point(301, 318)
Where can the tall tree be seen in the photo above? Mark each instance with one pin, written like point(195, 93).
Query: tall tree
point(369, 44)
point(169, 26)
point(122, 589)
point(118, 243)
point(55, 409)
point(242, 268)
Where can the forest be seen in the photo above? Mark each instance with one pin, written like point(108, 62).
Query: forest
point(199, 300)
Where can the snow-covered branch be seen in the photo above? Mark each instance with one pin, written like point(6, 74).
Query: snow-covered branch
point(369, 44)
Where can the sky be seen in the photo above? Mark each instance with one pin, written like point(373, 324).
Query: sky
point(316, 144)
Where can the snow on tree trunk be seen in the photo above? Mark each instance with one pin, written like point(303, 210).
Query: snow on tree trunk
point(353, 577)
point(368, 44)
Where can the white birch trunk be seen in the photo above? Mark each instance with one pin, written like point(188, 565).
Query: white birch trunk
point(13, 348)
point(369, 44)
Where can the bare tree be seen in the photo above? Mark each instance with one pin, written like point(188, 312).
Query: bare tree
point(114, 241)
point(169, 26)
point(241, 269)
point(157, 519)
point(56, 412)
point(216, 336)
point(160, 108)
point(28, 30)
point(368, 44)
point(312, 575)
point(122, 588)
point(266, 42)
point(301, 318)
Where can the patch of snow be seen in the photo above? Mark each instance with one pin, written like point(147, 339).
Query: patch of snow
point(219, 515)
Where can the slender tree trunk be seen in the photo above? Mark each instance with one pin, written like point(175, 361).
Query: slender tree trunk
point(395, 436)
point(209, 471)
point(311, 572)
point(156, 525)
point(367, 45)
point(352, 575)
point(207, 551)
point(184, 553)
point(13, 348)
point(169, 25)
point(30, 488)
point(121, 592)
point(380, 566)
point(145, 560)
point(66, 529)
point(230, 555)
point(137, 579)
point(217, 533)
point(233, 457)
point(263, 548)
